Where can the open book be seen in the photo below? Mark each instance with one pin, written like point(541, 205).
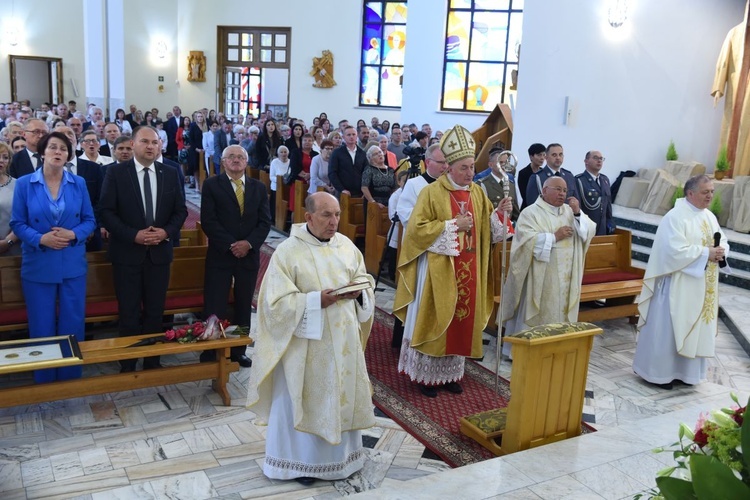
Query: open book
point(352, 288)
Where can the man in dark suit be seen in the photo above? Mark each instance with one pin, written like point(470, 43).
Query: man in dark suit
point(130, 117)
point(235, 234)
point(554, 159)
point(594, 193)
point(94, 176)
point(28, 160)
point(346, 165)
point(222, 138)
point(493, 184)
point(170, 127)
point(142, 207)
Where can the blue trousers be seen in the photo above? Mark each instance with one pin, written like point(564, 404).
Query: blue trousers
point(42, 301)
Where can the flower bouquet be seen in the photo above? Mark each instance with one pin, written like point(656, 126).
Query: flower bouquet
point(211, 329)
point(710, 462)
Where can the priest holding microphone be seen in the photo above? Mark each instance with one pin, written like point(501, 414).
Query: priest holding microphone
point(679, 302)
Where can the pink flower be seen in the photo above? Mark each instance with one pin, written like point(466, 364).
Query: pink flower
point(169, 334)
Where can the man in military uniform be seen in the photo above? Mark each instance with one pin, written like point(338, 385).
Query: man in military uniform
point(492, 184)
point(554, 158)
point(594, 193)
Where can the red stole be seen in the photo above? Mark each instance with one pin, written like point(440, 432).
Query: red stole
point(460, 331)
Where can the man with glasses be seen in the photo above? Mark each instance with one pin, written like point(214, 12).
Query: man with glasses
point(235, 217)
point(28, 160)
point(90, 143)
point(594, 193)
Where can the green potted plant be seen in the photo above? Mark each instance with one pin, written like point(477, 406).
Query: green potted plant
point(672, 152)
point(722, 164)
point(715, 206)
point(678, 193)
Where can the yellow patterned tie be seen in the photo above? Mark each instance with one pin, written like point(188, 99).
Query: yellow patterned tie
point(240, 193)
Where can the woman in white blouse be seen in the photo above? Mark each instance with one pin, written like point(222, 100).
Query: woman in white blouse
point(279, 166)
point(208, 147)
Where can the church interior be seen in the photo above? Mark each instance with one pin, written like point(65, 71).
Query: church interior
point(625, 77)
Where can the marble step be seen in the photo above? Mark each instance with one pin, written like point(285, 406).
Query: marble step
point(737, 260)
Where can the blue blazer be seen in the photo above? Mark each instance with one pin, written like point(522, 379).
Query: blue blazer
point(31, 217)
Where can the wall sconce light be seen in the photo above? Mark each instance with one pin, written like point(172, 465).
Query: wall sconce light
point(11, 34)
point(617, 13)
point(161, 49)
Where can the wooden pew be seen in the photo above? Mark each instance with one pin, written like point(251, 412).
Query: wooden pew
point(115, 349)
point(184, 294)
point(201, 170)
point(352, 223)
point(253, 173)
point(300, 194)
point(378, 225)
point(607, 275)
point(265, 179)
point(193, 237)
point(282, 203)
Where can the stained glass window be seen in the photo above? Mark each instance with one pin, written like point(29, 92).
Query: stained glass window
point(383, 48)
point(482, 45)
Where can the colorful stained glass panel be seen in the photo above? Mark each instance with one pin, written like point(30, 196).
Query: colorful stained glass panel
point(488, 37)
point(383, 52)
point(484, 88)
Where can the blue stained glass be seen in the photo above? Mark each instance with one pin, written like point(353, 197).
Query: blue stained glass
point(374, 12)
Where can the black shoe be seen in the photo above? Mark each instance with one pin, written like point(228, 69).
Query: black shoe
point(668, 386)
point(244, 362)
point(428, 390)
point(208, 356)
point(305, 481)
point(453, 387)
point(151, 366)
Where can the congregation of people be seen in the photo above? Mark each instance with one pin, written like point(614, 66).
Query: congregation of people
point(73, 182)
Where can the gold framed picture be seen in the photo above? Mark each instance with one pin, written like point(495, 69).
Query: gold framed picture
point(40, 353)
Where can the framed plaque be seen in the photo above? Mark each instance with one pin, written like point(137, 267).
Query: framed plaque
point(39, 353)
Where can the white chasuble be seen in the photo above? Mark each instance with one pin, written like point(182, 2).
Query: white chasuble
point(544, 282)
point(321, 386)
point(680, 251)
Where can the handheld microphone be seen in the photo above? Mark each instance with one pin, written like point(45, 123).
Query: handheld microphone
point(717, 241)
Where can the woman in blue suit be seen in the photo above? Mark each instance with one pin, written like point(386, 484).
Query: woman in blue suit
point(52, 216)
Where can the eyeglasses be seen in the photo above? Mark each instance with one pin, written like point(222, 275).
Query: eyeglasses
point(234, 157)
point(90, 141)
point(38, 132)
point(598, 158)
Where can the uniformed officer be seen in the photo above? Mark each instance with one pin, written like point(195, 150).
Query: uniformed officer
point(554, 158)
point(594, 193)
point(492, 184)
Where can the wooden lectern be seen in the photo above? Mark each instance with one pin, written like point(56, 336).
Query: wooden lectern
point(497, 131)
point(547, 385)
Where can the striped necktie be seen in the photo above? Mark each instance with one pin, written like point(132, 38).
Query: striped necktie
point(239, 192)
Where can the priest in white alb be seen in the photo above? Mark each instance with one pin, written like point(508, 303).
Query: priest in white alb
point(679, 303)
point(546, 261)
point(309, 382)
point(444, 295)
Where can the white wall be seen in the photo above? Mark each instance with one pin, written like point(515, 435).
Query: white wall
point(47, 29)
point(423, 73)
point(327, 24)
point(629, 97)
point(146, 22)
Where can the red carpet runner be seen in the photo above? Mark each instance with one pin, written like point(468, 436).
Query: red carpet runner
point(432, 421)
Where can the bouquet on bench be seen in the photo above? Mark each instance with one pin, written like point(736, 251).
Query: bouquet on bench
point(211, 329)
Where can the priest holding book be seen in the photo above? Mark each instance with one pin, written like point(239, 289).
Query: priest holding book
point(309, 382)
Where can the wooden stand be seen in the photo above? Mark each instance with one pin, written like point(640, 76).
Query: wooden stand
point(548, 383)
point(115, 349)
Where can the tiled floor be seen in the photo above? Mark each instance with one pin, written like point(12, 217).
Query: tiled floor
point(180, 442)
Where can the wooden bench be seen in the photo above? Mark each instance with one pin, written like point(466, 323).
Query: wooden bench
point(282, 203)
point(202, 174)
point(607, 275)
point(266, 180)
point(115, 349)
point(352, 222)
point(253, 173)
point(378, 225)
point(300, 195)
point(185, 292)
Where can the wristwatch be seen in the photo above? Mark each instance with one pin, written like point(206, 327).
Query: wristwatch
point(10, 242)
